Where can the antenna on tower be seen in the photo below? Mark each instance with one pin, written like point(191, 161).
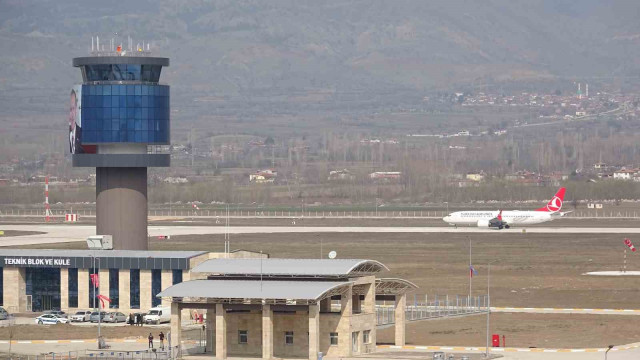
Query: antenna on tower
point(98, 43)
point(92, 44)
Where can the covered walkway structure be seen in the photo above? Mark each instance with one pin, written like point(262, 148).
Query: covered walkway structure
point(287, 307)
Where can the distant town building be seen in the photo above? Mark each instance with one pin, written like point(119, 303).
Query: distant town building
point(385, 175)
point(624, 174)
point(476, 176)
point(341, 175)
point(263, 176)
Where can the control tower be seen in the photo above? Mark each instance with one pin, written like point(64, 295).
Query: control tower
point(117, 116)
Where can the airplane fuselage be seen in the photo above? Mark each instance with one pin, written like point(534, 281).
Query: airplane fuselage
point(512, 218)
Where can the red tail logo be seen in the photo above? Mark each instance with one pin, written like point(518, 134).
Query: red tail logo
point(555, 204)
point(500, 215)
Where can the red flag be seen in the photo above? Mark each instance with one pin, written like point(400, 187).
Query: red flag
point(103, 299)
point(95, 279)
point(629, 244)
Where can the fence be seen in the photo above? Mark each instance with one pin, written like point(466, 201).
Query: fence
point(221, 214)
point(439, 306)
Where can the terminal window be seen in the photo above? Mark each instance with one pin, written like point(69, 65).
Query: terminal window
point(243, 336)
point(333, 338)
point(134, 288)
point(125, 113)
point(176, 276)
point(94, 290)
point(156, 287)
point(72, 279)
point(114, 286)
point(288, 338)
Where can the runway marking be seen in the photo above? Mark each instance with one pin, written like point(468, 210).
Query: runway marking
point(510, 349)
point(566, 310)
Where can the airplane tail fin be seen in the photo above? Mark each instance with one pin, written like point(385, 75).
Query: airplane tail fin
point(555, 204)
point(500, 215)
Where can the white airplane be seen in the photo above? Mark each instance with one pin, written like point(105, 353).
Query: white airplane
point(505, 219)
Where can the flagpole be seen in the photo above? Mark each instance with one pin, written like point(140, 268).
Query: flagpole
point(470, 271)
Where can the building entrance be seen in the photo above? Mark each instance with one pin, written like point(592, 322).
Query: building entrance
point(43, 284)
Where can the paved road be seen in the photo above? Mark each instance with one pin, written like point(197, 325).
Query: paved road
point(566, 311)
point(68, 233)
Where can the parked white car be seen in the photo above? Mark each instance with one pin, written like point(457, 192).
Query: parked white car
point(50, 319)
point(158, 315)
point(81, 316)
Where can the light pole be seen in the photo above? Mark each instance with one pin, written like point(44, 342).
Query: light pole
point(488, 303)
point(94, 258)
point(608, 349)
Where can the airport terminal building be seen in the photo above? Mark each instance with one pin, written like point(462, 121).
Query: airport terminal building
point(40, 280)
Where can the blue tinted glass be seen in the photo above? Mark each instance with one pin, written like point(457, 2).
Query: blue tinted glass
point(138, 90)
point(145, 125)
point(106, 89)
point(123, 124)
point(106, 124)
point(143, 136)
point(106, 113)
point(131, 124)
point(145, 101)
point(145, 90)
point(131, 113)
point(137, 101)
point(138, 113)
point(123, 112)
point(131, 89)
point(106, 101)
point(130, 101)
point(115, 113)
point(123, 135)
point(145, 113)
point(138, 124)
point(115, 101)
point(115, 89)
point(151, 101)
point(115, 124)
point(131, 135)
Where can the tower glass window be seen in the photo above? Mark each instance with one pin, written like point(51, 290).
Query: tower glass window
point(125, 114)
point(134, 288)
point(43, 284)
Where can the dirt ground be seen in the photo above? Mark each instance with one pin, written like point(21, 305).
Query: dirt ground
point(531, 270)
point(70, 332)
point(523, 330)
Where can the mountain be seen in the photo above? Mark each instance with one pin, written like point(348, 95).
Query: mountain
point(236, 49)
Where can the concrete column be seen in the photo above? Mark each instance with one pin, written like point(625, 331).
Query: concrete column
point(401, 305)
point(370, 308)
point(344, 326)
point(14, 289)
point(145, 290)
point(176, 325)
point(221, 332)
point(209, 326)
point(121, 206)
point(64, 289)
point(83, 289)
point(325, 305)
point(314, 331)
point(166, 279)
point(104, 287)
point(267, 332)
point(124, 289)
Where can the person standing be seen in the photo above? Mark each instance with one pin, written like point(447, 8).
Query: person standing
point(161, 337)
point(150, 341)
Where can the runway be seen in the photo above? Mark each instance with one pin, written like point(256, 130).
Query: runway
point(68, 233)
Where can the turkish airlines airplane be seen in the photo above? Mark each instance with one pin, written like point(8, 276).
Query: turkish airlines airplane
point(505, 219)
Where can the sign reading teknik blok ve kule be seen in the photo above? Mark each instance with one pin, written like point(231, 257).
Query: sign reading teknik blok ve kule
point(629, 244)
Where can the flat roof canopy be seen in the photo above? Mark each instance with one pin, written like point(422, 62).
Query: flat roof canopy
point(255, 291)
point(290, 267)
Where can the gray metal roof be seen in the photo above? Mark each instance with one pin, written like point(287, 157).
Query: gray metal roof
point(101, 253)
point(254, 289)
point(290, 267)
